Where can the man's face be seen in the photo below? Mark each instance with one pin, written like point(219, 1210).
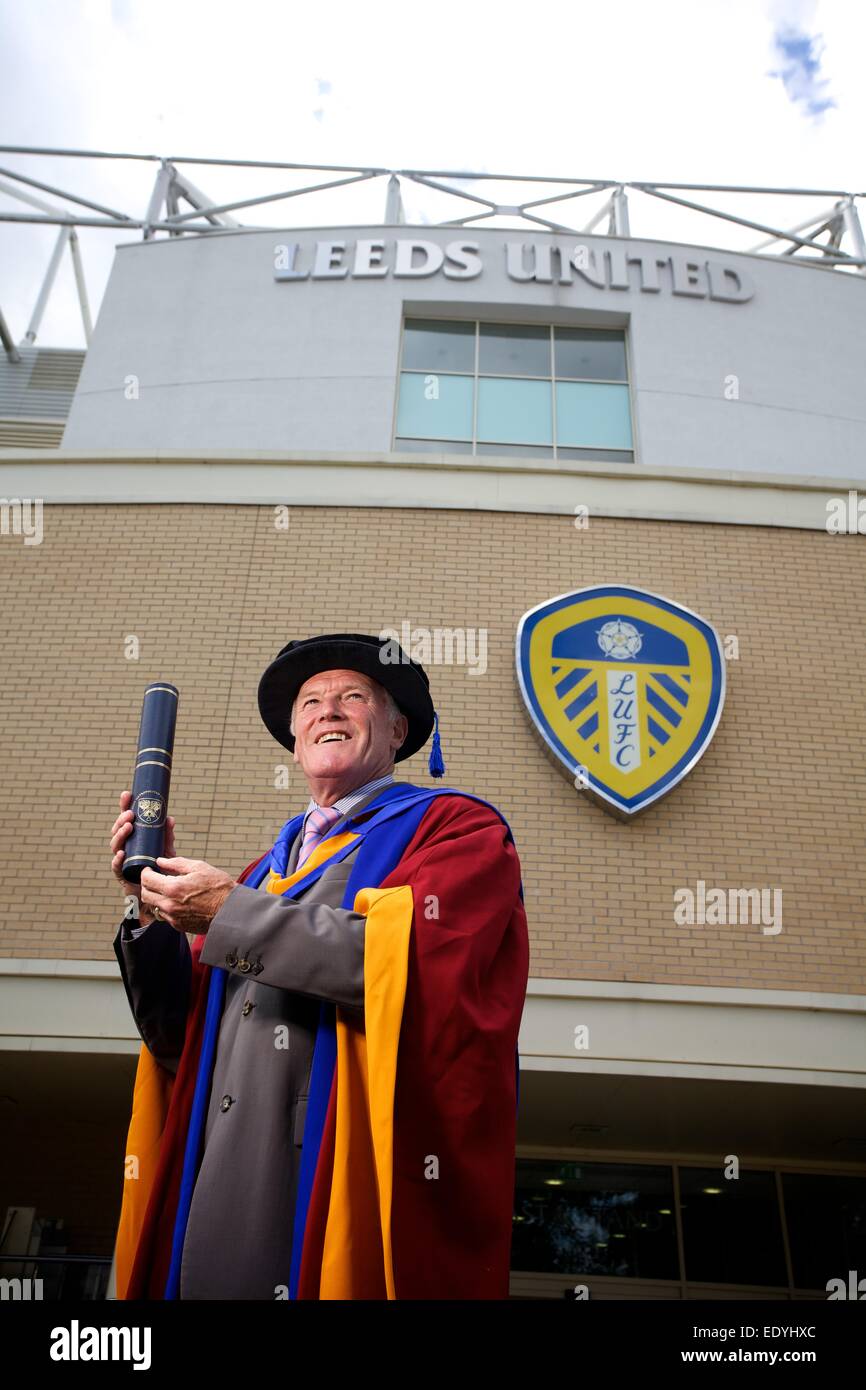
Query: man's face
point(352, 705)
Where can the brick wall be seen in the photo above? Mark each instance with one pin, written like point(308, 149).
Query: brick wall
point(213, 592)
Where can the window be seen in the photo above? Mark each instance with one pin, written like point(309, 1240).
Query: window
point(732, 1228)
point(531, 390)
point(594, 1218)
point(621, 1220)
point(827, 1224)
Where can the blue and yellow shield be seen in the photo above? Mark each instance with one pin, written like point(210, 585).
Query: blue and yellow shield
point(624, 686)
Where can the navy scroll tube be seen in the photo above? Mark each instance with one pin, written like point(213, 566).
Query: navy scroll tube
point(151, 779)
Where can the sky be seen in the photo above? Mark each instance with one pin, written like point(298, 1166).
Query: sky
point(744, 92)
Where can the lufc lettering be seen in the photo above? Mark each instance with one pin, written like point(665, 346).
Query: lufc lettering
point(624, 736)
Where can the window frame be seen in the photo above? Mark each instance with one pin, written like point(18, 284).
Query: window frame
point(682, 1287)
point(601, 453)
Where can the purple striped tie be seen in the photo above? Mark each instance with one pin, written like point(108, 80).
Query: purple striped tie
point(319, 823)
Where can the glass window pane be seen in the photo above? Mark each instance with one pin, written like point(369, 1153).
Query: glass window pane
point(597, 455)
point(537, 451)
point(588, 414)
point(514, 349)
point(590, 353)
point(732, 1232)
point(514, 412)
point(826, 1217)
point(433, 446)
point(439, 344)
point(435, 407)
point(594, 1218)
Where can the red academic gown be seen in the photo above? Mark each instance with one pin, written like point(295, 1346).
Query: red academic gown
point(414, 1181)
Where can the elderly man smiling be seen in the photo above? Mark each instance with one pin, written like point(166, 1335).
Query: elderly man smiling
point(326, 1100)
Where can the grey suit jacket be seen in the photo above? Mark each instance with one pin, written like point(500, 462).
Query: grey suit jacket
point(297, 953)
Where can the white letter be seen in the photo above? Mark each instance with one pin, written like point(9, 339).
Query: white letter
point(368, 259)
point(465, 254)
point(327, 264)
point(684, 912)
point(404, 266)
point(60, 1348)
point(837, 517)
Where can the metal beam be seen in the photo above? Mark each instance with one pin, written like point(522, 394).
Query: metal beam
point(73, 154)
point(436, 173)
point(200, 201)
point(831, 244)
point(822, 217)
point(748, 188)
point(552, 226)
point(729, 217)
point(208, 211)
point(603, 212)
point(427, 182)
point(562, 197)
point(61, 193)
point(159, 193)
point(81, 287)
point(394, 213)
point(817, 241)
point(853, 226)
point(134, 224)
point(42, 297)
point(6, 339)
point(32, 202)
point(619, 212)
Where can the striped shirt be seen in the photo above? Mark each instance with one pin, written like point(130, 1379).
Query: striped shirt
point(346, 802)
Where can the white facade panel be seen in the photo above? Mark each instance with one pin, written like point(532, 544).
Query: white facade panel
point(199, 345)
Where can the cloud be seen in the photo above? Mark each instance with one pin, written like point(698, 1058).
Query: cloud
point(121, 13)
point(801, 55)
point(332, 90)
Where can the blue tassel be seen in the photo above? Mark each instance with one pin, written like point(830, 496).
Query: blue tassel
point(435, 765)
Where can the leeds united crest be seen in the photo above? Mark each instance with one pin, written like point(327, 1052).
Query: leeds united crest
point(625, 687)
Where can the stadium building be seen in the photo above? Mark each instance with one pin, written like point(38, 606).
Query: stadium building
point(489, 439)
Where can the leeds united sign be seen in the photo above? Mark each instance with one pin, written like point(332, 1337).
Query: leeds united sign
point(616, 267)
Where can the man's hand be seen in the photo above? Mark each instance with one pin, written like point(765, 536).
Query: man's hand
point(120, 833)
point(189, 894)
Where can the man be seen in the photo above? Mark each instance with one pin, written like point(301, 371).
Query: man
point(325, 1106)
